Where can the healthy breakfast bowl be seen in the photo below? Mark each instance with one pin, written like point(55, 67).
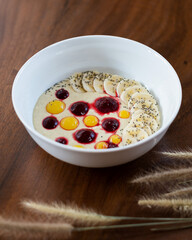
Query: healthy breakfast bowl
point(96, 55)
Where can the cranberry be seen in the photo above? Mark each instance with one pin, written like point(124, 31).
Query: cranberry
point(61, 140)
point(85, 136)
point(62, 94)
point(106, 105)
point(79, 108)
point(50, 122)
point(112, 145)
point(110, 124)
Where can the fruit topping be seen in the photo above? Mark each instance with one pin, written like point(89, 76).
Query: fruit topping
point(115, 139)
point(101, 145)
point(110, 124)
point(61, 140)
point(85, 136)
point(124, 114)
point(78, 146)
point(55, 107)
point(106, 105)
point(91, 121)
point(50, 122)
point(112, 145)
point(69, 123)
point(62, 94)
point(79, 108)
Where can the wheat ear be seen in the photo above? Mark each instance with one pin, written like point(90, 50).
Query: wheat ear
point(70, 213)
point(77, 215)
point(184, 191)
point(179, 154)
point(34, 230)
point(132, 225)
point(181, 205)
point(30, 230)
point(167, 175)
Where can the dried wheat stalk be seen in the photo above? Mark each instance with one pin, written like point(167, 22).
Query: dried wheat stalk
point(172, 228)
point(132, 225)
point(165, 175)
point(181, 205)
point(30, 230)
point(70, 213)
point(179, 154)
point(34, 230)
point(180, 191)
point(76, 215)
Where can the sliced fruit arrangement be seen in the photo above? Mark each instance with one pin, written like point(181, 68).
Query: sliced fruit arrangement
point(143, 112)
point(98, 82)
point(141, 97)
point(87, 80)
point(76, 82)
point(133, 135)
point(141, 116)
point(149, 108)
point(110, 84)
point(124, 84)
point(140, 124)
point(127, 94)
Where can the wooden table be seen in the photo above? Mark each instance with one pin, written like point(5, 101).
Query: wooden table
point(26, 171)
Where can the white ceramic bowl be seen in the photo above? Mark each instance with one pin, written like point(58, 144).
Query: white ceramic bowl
point(103, 53)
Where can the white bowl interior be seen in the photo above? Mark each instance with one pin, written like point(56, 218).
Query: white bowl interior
point(103, 53)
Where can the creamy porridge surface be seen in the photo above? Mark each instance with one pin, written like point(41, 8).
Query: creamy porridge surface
point(96, 110)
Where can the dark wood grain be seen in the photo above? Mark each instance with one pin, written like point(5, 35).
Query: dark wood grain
point(26, 171)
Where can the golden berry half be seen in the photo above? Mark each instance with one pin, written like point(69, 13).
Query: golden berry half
point(124, 114)
point(101, 145)
point(69, 123)
point(78, 146)
point(90, 121)
point(115, 139)
point(55, 107)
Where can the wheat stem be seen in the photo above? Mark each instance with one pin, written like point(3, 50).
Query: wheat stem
point(128, 225)
point(179, 154)
point(171, 228)
point(173, 174)
point(179, 192)
point(84, 214)
point(186, 181)
point(33, 229)
point(69, 213)
point(181, 205)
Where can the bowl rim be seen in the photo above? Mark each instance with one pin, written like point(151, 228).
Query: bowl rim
point(87, 150)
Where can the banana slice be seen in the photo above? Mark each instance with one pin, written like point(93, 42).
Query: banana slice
point(149, 108)
point(76, 82)
point(141, 116)
point(110, 84)
point(147, 130)
point(140, 97)
point(139, 124)
point(133, 135)
point(126, 95)
point(98, 82)
point(87, 80)
point(125, 83)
